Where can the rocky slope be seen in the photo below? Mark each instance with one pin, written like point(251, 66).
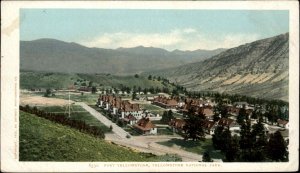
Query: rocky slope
point(258, 69)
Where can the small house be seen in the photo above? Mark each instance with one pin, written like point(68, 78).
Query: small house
point(209, 127)
point(145, 126)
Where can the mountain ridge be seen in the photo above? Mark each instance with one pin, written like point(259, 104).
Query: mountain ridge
point(258, 69)
point(59, 56)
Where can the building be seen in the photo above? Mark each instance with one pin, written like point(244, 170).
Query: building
point(130, 119)
point(209, 127)
point(145, 126)
point(167, 103)
point(84, 88)
point(127, 108)
point(119, 107)
point(208, 113)
point(177, 125)
point(240, 104)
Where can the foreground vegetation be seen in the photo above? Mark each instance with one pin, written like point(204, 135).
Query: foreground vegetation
point(43, 140)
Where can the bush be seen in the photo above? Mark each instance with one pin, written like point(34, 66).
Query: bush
point(120, 123)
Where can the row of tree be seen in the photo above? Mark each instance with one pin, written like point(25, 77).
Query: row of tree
point(64, 120)
point(253, 144)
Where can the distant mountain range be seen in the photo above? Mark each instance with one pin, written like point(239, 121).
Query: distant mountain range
point(259, 69)
point(58, 56)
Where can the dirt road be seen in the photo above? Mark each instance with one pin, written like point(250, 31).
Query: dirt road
point(121, 134)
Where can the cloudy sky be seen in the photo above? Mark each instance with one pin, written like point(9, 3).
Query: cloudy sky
point(168, 29)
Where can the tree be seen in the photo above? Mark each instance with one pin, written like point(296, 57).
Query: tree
point(136, 76)
point(193, 128)
point(90, 84)
point(276, 148)
point(158, 78)
point(48, 92)
point(242, 116)
point(247, 142)
point(120, 123)
point(149, 77)
point(167, 116)
point(221, 108)
point(133, 95)
point(217, 137)
point(216, 117)
point(232, 151)
point(206, 157)
point(94, 89)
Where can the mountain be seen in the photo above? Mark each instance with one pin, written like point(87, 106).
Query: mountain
point(57, 56)
point(258, 69)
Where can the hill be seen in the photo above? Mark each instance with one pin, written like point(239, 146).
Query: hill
point(258, 69)
point(43, 140)
point(58, 56)
point(33, 79)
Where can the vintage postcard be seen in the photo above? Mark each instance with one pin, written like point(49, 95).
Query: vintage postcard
point(118, 86)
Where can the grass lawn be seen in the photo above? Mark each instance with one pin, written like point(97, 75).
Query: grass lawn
point(164, 131)
point(43, 140)
point(60, 109)
point(153, 109)
point(88, 98)
point(198, 147)
point(84, 116)
point(30, 79)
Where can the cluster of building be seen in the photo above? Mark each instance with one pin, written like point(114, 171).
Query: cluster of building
point(140, 119)
point(177, 125)
point(130, 113)
point(205, 108)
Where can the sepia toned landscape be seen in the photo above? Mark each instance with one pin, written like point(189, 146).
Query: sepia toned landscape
point(154, 89)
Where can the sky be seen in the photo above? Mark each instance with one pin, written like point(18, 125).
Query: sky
point(168, 29)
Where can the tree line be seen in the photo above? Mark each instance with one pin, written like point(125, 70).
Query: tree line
point(253, 144)
point(64, 120)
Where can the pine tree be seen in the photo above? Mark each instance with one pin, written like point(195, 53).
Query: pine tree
point(193, 128)
point(232, 152)
point(217, 137)
point(242, 116)
point(277, 149)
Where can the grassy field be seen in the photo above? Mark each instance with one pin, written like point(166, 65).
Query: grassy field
point(153, 109)
point(198, 147)
point(116, 81)
point(45, 80)
point(82, 115)
point(30, 79)
point(88, 98)
point(164, 131)
point(43, 140)
point(60, 109)
point(158, 110)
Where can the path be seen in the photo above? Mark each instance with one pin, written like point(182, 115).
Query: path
point(141, 143)
point(121, 134)
point(148, 144)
